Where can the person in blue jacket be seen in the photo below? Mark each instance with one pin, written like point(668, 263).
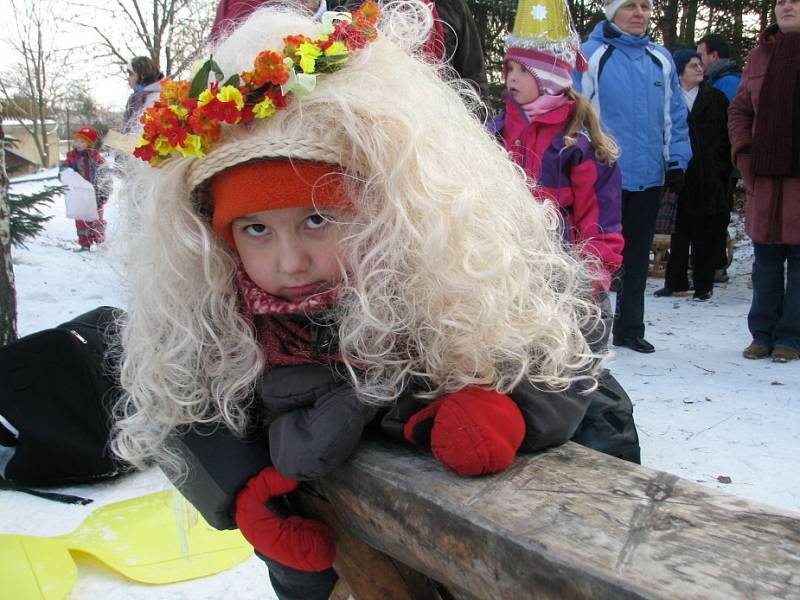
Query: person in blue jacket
point(633, 84)
point(722, 72)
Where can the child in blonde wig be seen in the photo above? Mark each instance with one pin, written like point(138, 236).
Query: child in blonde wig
point(452, 315)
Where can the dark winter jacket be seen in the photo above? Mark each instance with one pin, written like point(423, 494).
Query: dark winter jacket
point(308, 422)
point(463, 49)
point(705, 191)
point(772, 210)
point(587, 192)
point(312, 422)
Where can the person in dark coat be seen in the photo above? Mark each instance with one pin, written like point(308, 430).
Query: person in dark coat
point(724, 74)
point(454, 38)
point(764, 126)
point(703, 202)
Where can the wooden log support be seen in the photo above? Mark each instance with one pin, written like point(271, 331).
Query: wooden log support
point(567, 523)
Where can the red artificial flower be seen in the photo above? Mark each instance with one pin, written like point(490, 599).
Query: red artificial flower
point(277, 97)
point(203, 124)
point(223, 111)
point(145, 152)
point(369, 12)
point(268, 68)
point(353, 38)
point(247, 113)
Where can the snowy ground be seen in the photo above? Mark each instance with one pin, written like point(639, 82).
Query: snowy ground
point(703, 412)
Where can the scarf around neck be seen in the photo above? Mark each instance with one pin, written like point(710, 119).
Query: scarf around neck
point(543, 105)
point(288, 332)
point(776, 133)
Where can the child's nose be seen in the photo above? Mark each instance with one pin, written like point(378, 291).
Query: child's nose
point(293, 256)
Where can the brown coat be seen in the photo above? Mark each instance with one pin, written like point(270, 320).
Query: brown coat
point(772, 212)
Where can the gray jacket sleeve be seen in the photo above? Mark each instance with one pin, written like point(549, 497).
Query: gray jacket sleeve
point(317, 420)
point(551, 417)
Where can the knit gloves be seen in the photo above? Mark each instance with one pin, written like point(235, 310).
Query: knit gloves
point(472, 431)
point(292, 541)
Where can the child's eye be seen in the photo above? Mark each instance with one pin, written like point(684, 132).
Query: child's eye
point(317, 221)
point(256, 229)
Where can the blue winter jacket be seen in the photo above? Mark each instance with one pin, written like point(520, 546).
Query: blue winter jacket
point(635, 89)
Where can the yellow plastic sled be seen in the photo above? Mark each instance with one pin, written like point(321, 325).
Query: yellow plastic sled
point(158, 538)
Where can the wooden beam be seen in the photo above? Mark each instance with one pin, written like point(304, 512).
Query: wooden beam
point(568, 523)
point(364, 573)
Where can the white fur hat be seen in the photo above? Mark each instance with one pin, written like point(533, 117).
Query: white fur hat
point(612, 6)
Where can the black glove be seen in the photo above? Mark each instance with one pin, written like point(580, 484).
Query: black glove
point(674, 180)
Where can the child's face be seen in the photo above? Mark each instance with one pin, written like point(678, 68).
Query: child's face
point(291, 253)
point(520, 83)
point(80, 144)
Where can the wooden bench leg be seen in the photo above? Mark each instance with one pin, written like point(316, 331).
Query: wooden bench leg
point(365, 573)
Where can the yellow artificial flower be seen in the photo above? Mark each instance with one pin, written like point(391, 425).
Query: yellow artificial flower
point(192, 146)
point(264, 109)
point(205, 97)
point(229, 93)
point(162, 146)
point(337, 49)
point(180, 111)
point(308, 54)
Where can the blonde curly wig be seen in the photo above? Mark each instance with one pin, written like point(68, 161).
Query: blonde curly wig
point(458, 277)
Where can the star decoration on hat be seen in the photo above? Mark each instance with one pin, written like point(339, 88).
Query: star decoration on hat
point(539, 12)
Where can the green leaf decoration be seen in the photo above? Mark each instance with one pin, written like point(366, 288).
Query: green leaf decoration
point(200, 80)
point(232, 80)
point(215, 67)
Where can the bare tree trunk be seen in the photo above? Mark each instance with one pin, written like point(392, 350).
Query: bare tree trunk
point(766, 13)
point(738, 24)
point(8, 296)
point(689, 23)
point(668, 24)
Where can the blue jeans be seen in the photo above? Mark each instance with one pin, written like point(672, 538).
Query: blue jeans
point(774, 317)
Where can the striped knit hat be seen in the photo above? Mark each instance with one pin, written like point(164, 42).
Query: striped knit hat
point(545, 43)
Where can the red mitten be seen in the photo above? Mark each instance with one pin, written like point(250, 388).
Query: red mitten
point(296, 542)
point(472, 431)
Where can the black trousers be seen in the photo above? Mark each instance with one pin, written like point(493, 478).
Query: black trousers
point(702, 234)
point(639, 210)
point(721, 251)
point(292, 584)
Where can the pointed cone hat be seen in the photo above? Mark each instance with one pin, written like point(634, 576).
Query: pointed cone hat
point(544, 41)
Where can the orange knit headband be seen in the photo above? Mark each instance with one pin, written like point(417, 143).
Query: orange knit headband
point(271, 185)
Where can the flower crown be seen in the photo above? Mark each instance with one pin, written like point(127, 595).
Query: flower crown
point(187, 118)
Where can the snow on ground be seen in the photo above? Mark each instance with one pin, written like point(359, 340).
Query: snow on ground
point(703, 412)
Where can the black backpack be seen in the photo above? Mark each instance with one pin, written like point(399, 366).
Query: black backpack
point(57, 389)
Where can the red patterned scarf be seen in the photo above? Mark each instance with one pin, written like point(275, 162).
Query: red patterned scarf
point(287, 330)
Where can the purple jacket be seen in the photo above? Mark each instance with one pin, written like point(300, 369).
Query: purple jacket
point(588, 192)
